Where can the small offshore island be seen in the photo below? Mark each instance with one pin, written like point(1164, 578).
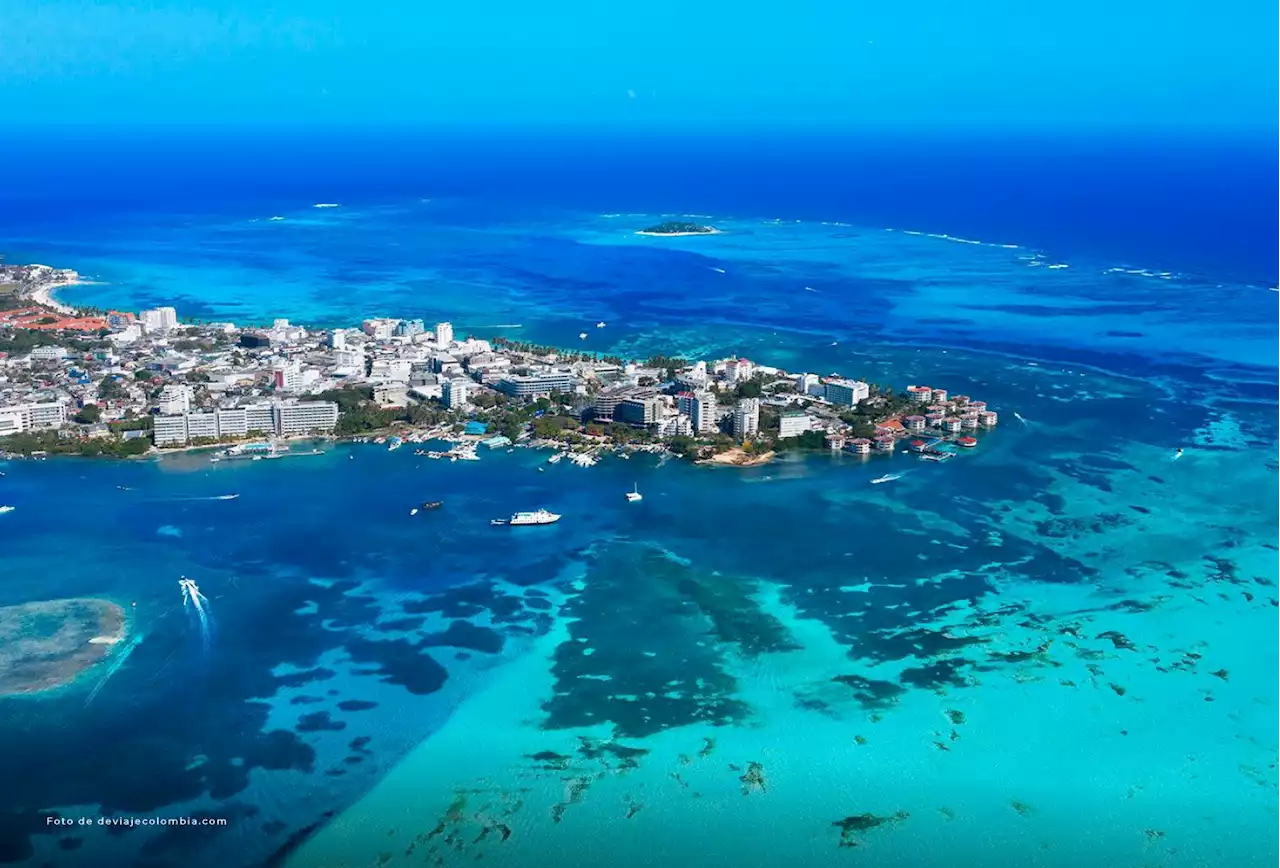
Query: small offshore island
point(46, 644)
point(676, 227)
point(113, 384)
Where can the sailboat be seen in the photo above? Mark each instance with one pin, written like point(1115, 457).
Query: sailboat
point(634, 494)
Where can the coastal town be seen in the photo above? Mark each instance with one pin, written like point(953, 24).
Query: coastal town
point(90, 382)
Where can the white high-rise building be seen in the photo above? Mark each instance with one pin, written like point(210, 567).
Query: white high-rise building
point(175, 399)
point(444, 334)
point(286, 376)
point(338, 339)
point(454, 392)
point(746, 418)
point(704, 413)
point(847, 392)
point(160, 319)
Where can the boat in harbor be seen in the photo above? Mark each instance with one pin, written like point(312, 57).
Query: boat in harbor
point(634, 494)
point(538, 516)
point(888, 477)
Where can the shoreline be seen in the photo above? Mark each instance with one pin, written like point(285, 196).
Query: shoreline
point(711, 231)
point(44, 296)
point(737, 457)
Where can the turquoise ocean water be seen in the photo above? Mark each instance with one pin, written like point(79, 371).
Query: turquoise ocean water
point(1055, 650)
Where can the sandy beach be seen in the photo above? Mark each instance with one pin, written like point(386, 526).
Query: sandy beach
point(44, 295)
point(738, 457)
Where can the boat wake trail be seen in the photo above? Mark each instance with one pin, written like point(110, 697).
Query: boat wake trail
point(1018, 416)
point(193, 600)
point(121, 656)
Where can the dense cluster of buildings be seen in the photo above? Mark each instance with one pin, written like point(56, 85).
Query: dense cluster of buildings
point(214, 381)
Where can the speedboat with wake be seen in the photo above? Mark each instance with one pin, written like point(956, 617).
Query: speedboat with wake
point(888, 477)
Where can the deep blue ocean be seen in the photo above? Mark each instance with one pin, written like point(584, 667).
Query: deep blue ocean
point(1045, 652)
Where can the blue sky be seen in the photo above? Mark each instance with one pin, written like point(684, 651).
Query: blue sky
point(960, 63)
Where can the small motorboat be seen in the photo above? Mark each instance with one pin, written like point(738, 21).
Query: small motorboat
point(4, 509)
point(888, 477)
point(413, 511)
point(634, 495)
point(432, 504)
point(497, 522)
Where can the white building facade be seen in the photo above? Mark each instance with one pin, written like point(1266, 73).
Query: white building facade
point(746, 418)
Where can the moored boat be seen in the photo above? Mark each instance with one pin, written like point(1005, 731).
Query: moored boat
point(538, 516)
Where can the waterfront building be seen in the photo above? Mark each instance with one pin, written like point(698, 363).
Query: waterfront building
point(408, 328)
point(175, 399)
point(860, 446)
point(960, 400)
point(977, 406)
point(746, 418)
point(305, 417)
point(261, 417)
point(884, 444)
point(939, 396)
point(846, 393)
point(793, 424)
point(969, 421)
point(16, 418)
point(835, 440)
point(951, 425)
point(160, 319)
point(913, 423)
point(453, 393)
point(678, 425)
point(202, 426)
point(805, 383)
point(537, 384)
point(639, 410)
point(232, 421)
point(920, 394)
point(169, 430)
point(444, 334)
point(934, 419)
point(988, 418)
point(285, 418)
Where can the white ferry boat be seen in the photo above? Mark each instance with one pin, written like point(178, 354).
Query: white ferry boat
point(540, 516)
point(634, 494)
